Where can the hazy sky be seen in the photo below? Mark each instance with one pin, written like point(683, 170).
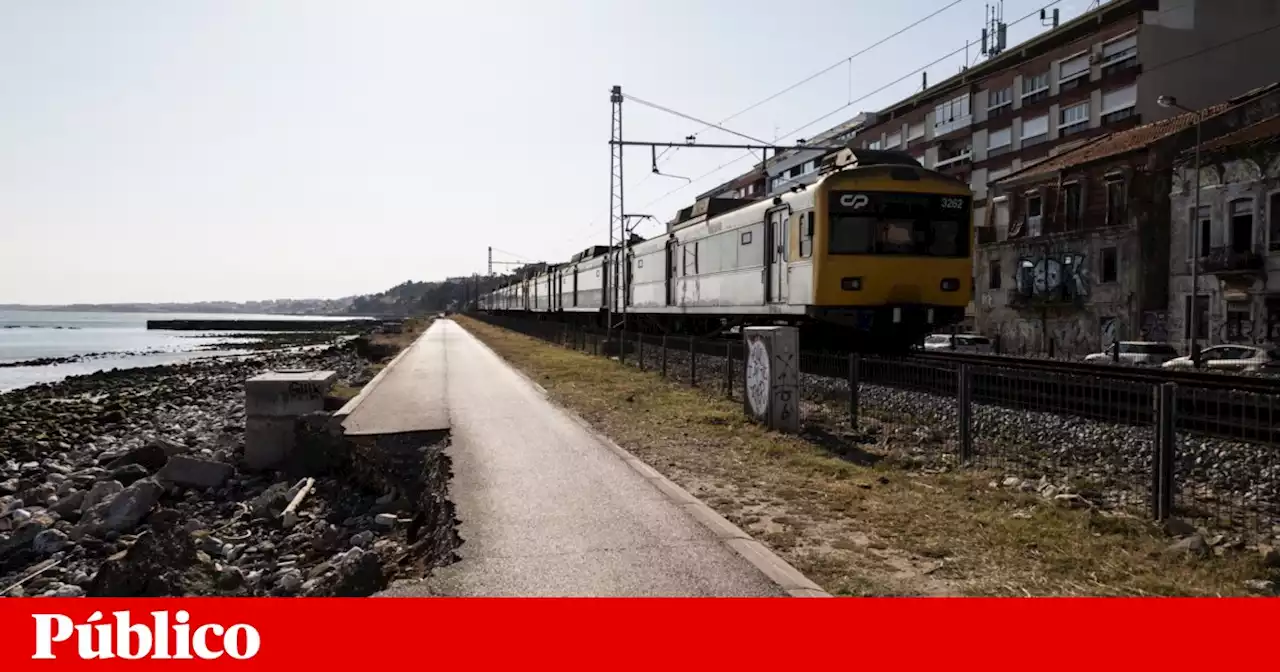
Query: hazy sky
point(177, 150)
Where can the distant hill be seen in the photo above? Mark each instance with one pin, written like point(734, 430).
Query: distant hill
point(407, 298)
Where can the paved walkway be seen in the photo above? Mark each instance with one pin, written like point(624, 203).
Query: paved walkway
point(545, 507)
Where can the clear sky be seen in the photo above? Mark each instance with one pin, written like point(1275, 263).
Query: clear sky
point(184, 150)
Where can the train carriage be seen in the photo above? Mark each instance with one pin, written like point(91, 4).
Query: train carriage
point(878, 251)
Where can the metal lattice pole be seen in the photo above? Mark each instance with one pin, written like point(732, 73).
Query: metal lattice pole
point(616, 220)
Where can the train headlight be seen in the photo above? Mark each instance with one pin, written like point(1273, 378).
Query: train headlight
point(851, 284)
point(950, 285)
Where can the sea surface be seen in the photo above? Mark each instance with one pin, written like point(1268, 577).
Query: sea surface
point(117, 340)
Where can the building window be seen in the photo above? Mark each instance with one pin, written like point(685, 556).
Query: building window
point(1074, 118)
point(1035, 130)
point(1109, 264)
point(874, 144)
point(1242, 225)
point(893, 141)
point(1035, 88)
point(1201, 231)
point(1238, 315)
point(993, 275)
point(999, 142)
point(1273, 216)
point(951, 115)
point(1115, 200)
point(1119, 104)
point(1073, 198)
point(1034, 212)
point(915, 132)
point(1073, 71)
point(999, 97)
point(1119, 53)
point(1202, 320)
point(1002, 218)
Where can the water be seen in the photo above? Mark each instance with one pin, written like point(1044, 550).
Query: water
point(122, 339)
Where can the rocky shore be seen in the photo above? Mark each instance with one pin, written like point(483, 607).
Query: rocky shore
point(128, 483)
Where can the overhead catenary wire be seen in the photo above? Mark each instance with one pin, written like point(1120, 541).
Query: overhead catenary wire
point(841, 108)
point(847, 60)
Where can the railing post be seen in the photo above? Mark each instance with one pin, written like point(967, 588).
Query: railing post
point(728, 370)
point(693, 362)
point(1162, 464)
point(664, 355)
point(964, 411)
point(855, 363)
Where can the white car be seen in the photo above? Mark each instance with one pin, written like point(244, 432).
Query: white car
point(1241, 358)
point(968, 343)
point(1135, 353)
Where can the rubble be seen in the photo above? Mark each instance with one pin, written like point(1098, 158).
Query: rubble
point(127, 483)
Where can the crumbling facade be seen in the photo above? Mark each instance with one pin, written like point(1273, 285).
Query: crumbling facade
point(1238, 227)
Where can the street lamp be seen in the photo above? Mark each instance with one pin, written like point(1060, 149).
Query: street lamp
point(1171, 102)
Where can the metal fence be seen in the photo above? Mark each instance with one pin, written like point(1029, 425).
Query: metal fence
point(1160, 450)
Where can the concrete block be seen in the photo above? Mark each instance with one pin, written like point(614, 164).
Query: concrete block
point(194, 472)
point(287, 393)
point(771, 377)
point(267, 441)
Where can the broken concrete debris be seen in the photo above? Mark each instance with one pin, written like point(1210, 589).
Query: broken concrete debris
point(159, 499)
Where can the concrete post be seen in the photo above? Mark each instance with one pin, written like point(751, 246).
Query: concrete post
point(771, 372)
point(272, 404)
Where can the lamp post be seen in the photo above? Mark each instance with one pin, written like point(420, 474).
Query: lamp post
point(1171, 102)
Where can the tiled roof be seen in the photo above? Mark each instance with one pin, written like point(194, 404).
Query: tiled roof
point(1112, 144)
point(1262, 130)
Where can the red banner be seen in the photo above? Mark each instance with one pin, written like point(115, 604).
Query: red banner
point(607, 634)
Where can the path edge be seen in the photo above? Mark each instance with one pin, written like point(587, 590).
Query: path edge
point(768, 563)
point(350, 407)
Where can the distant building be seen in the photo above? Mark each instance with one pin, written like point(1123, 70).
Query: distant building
point(1083, 244)
point(1239, 230)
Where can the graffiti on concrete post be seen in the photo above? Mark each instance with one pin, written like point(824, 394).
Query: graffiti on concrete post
point(1055, 278)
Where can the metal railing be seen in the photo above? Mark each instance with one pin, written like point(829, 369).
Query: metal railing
point(1207, 455)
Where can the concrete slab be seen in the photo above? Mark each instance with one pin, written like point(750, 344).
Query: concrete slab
point(411, 395)
point(547, 507)
point(287, 393)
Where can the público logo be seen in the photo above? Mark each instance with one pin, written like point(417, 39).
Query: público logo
point(164, 638)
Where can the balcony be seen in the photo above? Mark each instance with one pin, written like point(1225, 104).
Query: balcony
point(1226, 261)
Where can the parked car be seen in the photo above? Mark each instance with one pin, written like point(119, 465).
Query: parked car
point(967, 343)
point(1135, 353)
point(1240, 358)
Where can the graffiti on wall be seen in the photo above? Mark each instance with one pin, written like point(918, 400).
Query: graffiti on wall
point(1063, 277)
point(1155, 326)
point(1250, 331)
point(1110, 328)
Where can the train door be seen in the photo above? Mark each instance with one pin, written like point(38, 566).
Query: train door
point(631, 279)
point(775, 256)
point(671, 272)
point(575, 286)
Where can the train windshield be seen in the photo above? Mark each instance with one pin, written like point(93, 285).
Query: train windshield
point(905, 224)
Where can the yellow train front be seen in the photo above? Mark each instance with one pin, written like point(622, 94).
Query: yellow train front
point(893, 259)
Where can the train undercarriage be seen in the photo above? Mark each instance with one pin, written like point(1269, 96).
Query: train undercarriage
point(884, 330)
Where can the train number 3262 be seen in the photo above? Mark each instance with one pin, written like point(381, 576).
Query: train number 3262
point(953, 203)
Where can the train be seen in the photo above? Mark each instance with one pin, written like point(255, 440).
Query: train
point(874, 255)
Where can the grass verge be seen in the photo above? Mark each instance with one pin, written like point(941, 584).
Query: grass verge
point(867, 530)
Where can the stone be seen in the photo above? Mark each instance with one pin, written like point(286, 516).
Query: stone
point(1191, 545)
point(194, 472)
point(362, 539)
point(20, 516)
point(1260, 586)
point(49, 542)
point(230, 578)
point(290, 581)
point(1176, 527)
point(66, 590)
point(102, 491)
point(385, 520)
point(129, 473)
point(1070, 500)
point(126, 510)
point(9, 487)
point(151, 457)
point(170, 448)
point(1270, 556)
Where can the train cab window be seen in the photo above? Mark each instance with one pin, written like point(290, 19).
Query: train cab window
point(881, 235)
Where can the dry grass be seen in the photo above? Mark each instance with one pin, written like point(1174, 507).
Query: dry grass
point(858, 530)
point(409, 332)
